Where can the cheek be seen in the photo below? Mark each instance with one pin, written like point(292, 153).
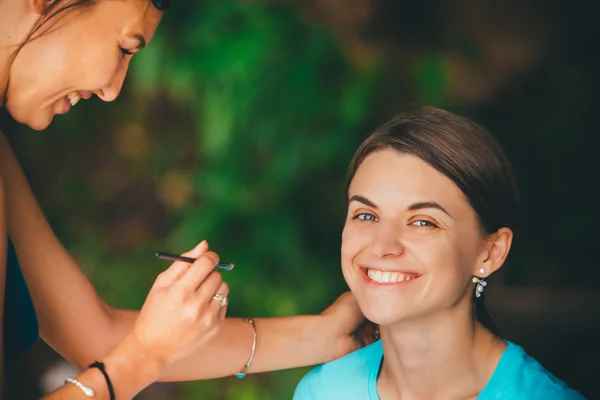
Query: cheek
point(450, 260)
point(97, 68)
point(352, 244)
point(34, 72)
point(353, 240)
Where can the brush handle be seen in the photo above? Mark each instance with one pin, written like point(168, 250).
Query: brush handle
point(173, 257)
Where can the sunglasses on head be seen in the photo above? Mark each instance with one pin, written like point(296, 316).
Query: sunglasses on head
point(161, 4)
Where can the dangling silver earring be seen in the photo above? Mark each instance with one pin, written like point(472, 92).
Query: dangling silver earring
point(481, 283)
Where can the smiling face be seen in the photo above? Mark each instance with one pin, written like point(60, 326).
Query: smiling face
point(87, 53)
point(411, 241)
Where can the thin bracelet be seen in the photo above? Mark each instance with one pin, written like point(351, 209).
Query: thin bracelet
point(242, 373)
point(89, 392)
point(100, 366)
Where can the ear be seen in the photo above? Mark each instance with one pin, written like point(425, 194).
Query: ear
point(38, 6)
point(496, 251)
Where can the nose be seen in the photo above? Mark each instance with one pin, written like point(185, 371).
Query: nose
point(111, 91)
point(387, 241)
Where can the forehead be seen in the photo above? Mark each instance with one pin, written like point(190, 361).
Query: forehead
point(392, 177)
point(126, 17)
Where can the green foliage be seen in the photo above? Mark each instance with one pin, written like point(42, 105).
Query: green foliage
point(236, 125)
point(268, 116)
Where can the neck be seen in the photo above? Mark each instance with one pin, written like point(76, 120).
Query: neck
point(446, 355)
point(16, 21)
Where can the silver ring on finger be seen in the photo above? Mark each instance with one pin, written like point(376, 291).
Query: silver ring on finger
point(220, 297)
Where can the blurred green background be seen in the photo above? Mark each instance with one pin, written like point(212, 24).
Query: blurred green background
point(237, 124)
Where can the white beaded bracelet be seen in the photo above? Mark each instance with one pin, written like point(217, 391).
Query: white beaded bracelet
point(244, 370)
point(89, 392)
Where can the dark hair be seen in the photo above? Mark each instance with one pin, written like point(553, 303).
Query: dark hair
point(53, 12)
point(467, 154)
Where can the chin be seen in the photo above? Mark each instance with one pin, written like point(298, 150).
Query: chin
point(39, 125)
point(37, 121)
point(381, 313)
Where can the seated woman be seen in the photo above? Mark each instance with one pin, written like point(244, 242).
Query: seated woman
point(432, 205)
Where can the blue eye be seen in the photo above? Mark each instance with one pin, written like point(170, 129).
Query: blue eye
point(423, 223)
point(366, 217)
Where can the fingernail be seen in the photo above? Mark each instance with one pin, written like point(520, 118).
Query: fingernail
point(213, 256)
point(201, 244)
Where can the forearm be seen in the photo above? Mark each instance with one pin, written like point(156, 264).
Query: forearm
point(282, 343)
point(73, 319)
point(2, 280)
point(129, 371)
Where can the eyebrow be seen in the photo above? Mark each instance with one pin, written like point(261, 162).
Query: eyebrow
point(362, 200)
point(141, 39)
point(412, 207)
point(429, 204)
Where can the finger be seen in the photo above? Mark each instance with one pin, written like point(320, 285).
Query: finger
point(178, 268)
point(216, 304)
point(346, 298)
point(209, 287)
point(198, 271)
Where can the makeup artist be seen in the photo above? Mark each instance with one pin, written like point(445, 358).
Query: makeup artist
point(53, 54)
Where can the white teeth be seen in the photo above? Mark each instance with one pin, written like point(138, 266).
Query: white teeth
point(377, 276)
point(388, 277)
point(73, 98)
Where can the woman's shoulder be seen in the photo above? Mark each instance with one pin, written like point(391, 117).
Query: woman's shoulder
point(342, 378)
point(523, 377)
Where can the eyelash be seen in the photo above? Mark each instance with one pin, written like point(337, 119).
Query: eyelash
point(357, 216)
point(125, 52)
point(426, 223)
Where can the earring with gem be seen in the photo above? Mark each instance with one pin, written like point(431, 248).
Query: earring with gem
point(481, 283)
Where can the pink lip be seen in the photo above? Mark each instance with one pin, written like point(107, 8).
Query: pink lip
point(64, 106)
point(366, 267)
point(85, 94)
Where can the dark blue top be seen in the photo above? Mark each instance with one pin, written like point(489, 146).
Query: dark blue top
point(20, 321)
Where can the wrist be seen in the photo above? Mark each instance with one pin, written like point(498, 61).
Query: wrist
point(131, 367)
point(320, 336)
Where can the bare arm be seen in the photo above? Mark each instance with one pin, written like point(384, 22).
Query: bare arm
point(2, 279)
point(60, 290)
point(129, 371)
point(284, 342)
point(178, 317)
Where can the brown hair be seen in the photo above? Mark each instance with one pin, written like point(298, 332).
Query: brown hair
point(467, 154)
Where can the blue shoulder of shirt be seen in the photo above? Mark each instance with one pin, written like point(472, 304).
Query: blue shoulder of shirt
point(519, 377)
point(346, 377)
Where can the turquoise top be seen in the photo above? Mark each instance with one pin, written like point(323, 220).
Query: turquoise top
point(354, 377)
point(20, 321)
